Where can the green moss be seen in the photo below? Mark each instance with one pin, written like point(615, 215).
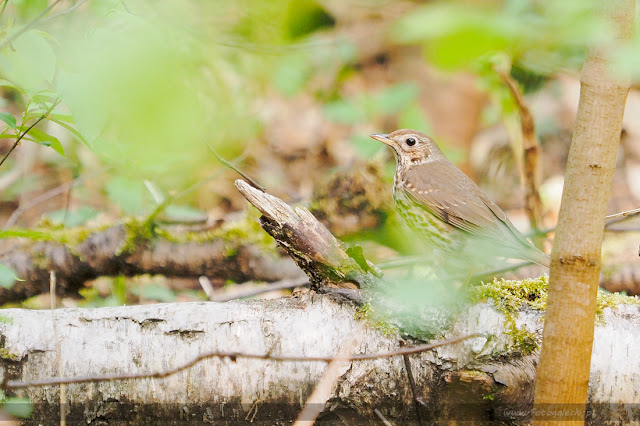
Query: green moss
point(508, 297)
point(611, 300)
point(247, 229)
point(137, 233)
point(368, 315)
point(5, 354)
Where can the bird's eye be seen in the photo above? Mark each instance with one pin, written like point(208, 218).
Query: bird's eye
point(411, 141)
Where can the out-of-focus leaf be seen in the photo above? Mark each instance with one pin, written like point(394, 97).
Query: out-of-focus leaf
point(292, 74)
point(71, 218)
point(128, 194)
point(344, 112)
point(396, 97)
point(365, 146)
point(71, 129)
point(26, 233)
point(7, 277)
point(305, 17)
point(157, 292)
point(31, 62)
point(414, 118)
point(18, 407)
point(550, 34)
point(9, 119)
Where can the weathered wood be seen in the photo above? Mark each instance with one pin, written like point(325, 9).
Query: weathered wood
point(315, 250)
point(480, 379)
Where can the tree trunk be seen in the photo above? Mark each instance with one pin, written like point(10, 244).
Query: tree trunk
point(481, 379)
point(563, 372)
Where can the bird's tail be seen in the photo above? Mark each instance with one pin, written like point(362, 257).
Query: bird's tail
point(536, 256)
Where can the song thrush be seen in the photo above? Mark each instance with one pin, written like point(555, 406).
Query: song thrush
point(445, 206)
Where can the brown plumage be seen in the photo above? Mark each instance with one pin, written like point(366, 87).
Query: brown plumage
point(446, 207)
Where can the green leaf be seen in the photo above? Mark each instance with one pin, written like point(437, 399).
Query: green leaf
point(158, 292)
point(31, 63)
point(71, 218)
point(364, 146)
point(414, 118)
point(46, 139)
point(292, 74)
point(344, 112)
point(9, 119)
point(7, 277)
point(357, 254)
point(71, 129)
point(128, 194)
point(18, 407)
point(397, 97)
point(26, 233)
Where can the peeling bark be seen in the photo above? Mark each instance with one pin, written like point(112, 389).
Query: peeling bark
point(484, 379)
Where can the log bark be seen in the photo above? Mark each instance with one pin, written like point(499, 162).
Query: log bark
point(101, 254)
point(481, 379)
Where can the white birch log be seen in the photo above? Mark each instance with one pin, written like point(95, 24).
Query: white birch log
point(481, 378)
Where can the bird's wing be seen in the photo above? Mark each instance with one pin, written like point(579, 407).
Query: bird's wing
point(444, 191)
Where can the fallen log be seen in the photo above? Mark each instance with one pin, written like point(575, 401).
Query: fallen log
point(105, 253)
point(483, 378)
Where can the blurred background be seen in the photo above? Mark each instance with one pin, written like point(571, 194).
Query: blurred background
point(132, 99)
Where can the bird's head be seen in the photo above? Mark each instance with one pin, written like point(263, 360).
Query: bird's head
point(410, 146)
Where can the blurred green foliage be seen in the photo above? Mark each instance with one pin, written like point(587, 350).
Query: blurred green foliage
point(7, 276)
point(543, 35)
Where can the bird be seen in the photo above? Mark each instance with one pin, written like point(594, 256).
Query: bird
point(446, 208)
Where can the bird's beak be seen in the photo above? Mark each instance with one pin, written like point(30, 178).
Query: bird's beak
point(380, 137)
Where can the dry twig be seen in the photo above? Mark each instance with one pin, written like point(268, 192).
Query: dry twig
point(14, 384)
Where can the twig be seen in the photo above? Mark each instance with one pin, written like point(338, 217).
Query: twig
point(206, 285)
point(253, 183)
point(414, 389)
point(220, 296)
point(64, 12)
point(617, 218)
point(531, 152)
point(384, 421)
point(40, 199)
point(325, 387)
point(16, 384)
point(23, 134)
point(27, 26)
point(171, 198)
point(63, 386)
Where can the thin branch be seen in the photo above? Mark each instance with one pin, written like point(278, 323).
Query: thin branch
point(414, 388)
point(28, 26)
point(40, 199)
point(23, 134)
point(617, 218)
point(16, 384)
point(253, 183)
point(531, 152)
point(64, 12)
point(222, 296)
point(384, 421)
point(325, 387)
